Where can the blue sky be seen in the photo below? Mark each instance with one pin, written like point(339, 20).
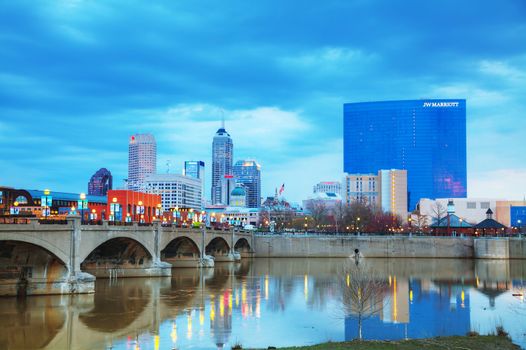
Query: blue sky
point(78, 77)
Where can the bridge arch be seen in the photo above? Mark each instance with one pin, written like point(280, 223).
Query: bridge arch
point(181, 247)
point(98, 241)
point(40, 242)
point(117, 253)
point(242, 245)
point(217, 246)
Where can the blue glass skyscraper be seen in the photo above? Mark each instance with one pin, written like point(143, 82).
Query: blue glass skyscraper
point(425, 137)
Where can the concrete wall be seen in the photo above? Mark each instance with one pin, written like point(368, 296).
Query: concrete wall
point(369, 246)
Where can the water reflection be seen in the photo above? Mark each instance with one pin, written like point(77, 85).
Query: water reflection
point(280, 302)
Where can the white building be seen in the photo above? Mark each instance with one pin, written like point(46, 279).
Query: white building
point(142, 160)
point(176, 190)
point(328, 187)
point(471, 210)
point(329, 201)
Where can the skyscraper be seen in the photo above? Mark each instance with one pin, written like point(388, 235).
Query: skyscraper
point(196, 169)
point(393, 192)
point(142, 160)
point(100, 183)
point(425, 137)
point(248, 173)
point(222, 154)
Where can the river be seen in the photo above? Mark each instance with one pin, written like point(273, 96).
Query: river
point(274, 302)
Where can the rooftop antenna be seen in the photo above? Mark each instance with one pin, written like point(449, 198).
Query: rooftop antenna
point(168, 162)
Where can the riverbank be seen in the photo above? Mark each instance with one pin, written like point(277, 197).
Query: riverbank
point(478, 342)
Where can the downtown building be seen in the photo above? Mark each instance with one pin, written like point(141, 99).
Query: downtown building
point(328, 187)
point(248, 174)
point(142, 160)
point(100, 183)
point(176, 191)
point(386, 189)
point(425, 137)
point(222, 158)
point(196, 169)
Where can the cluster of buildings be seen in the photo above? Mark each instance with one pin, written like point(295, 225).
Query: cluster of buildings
point(404, 157)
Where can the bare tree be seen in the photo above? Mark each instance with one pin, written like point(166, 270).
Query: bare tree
point(419, 220)
point(363, 293)
point(318, 211)
point(439, 212)
point(339, 213)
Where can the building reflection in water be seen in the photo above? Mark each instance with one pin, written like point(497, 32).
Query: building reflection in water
point(416, 308)
point(291, 301)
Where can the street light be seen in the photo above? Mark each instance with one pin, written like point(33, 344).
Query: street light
point(45, 201)
point(113, 209)
point(82, 204)
point(140, 210)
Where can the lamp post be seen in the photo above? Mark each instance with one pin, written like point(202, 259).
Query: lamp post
point(93, 214)
point(520, 227)
point(82, 204)
point(45, 202)
point(358, 226)
point(114, 207)
point(176, 214)
point(139, 211)
point(159, 210)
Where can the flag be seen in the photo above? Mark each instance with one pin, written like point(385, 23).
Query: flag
point(282, 188)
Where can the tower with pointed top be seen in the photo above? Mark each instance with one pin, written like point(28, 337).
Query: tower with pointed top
point(222, 155)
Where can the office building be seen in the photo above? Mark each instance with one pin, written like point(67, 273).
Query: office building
point(222, 157)
point(248, 173)
point(328, 186)
point(425, 137)
point(100, 183)
point(227, 185)
point(176, 191)
point(128, 206)
point(393, 192)
point(142, 159)
point(361, 187)
point(196, 169)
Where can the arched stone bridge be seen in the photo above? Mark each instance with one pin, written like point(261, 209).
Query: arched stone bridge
point(54, 259)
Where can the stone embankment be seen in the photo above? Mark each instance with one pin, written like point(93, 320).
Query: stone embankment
point(296, 246)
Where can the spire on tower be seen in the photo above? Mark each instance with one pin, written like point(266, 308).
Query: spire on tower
point(222, 119)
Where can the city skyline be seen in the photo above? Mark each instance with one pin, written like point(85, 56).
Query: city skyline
point(73, 103)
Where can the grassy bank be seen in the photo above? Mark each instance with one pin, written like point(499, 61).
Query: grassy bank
point(464, 343)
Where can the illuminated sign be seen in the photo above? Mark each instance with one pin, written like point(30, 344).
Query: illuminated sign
point(441, 104)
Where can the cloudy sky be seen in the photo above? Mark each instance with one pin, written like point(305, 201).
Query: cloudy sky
point(77, 78)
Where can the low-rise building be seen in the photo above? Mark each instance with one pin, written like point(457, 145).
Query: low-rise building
point(176, 190)
point(328, 187)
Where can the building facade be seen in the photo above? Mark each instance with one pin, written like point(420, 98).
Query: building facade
point(128, 206)
point(393, 192)
point(238, 197)
point(100, 183)
point(227, 185)
point(470, 210)
point(328, 186)
point(196, 169)
point(361, 187)
point(425, 137)
point(142, 160)
point(222, 158)
point(176, 191)
point(248, 173)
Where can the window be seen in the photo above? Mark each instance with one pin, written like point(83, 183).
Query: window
point(484, 205)
point(471, 205)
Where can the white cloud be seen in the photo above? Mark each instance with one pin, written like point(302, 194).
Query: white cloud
point(499, 183)
point(475, 96)
point(501, 69)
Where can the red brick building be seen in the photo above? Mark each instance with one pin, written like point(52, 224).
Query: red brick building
point(128, 206)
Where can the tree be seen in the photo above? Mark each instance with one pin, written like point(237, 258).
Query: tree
point(419, 220)
point(438, 212)
point(318, 211)
point(339, 213)
point(363, 293)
